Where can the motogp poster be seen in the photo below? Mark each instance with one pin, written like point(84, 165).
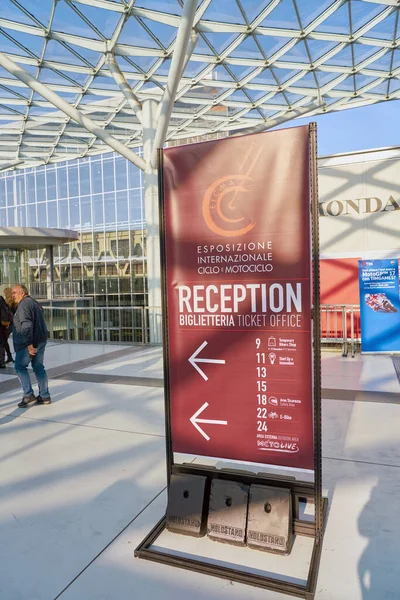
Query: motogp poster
point(379, 305)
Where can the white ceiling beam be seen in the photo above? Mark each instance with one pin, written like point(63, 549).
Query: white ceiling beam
point(103, 4)
point(52, 64)
point(69, 110)
point(279, 32)
point(7, 166)
point(384, 2)
point(76, 40)
point(22, 27)
point(373, 22)
point(324, 15)
point(53, 86)
point(328, 55)
point(216, 27)
point(25, 60)
point(371, 59)
point(125, 50)
point(264, 14)
point(288, 116)
point(154, 15)
point(366, 41)
point(192, 112)
point(125, 88)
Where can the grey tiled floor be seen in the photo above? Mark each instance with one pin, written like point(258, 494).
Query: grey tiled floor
point(82, 481)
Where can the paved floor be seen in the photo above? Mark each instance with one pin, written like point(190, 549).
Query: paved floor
point(82, 481)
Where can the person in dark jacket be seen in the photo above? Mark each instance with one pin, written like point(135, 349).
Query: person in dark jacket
point(10, 304)
point(6, 317)
point(30, 338)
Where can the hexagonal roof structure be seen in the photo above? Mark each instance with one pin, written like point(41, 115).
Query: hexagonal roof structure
point(214, 66)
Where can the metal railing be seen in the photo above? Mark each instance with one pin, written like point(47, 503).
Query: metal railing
point(58, 289)
point(80, 324)
point(340, 325)
point(42, 290)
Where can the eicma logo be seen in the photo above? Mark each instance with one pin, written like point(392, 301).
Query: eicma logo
point(225, 206)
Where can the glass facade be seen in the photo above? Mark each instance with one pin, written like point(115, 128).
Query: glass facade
point(101, 197)
point(13, 267)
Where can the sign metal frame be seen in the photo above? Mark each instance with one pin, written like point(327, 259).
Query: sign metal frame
point(301, 490)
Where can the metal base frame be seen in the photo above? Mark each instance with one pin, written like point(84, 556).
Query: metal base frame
point(312, 492)
point(300, 490)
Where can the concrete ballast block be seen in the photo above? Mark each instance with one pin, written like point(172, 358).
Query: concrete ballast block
point(270, 523)
point(228, 512)
point(187, 505)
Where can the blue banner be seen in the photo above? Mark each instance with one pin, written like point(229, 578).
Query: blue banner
point(379, 305)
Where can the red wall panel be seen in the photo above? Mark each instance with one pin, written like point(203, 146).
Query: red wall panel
point(339, 281)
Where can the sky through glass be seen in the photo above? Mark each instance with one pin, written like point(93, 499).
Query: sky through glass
point(253, 61)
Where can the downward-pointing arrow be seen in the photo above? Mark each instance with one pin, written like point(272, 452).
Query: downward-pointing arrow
point(194, 420)
point(194, 360)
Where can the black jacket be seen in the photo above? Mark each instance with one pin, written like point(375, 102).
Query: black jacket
point(29, 326)
point(6, 315)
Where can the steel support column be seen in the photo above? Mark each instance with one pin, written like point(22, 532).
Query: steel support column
point(174, 75)
point(151, 203)
point(50, 271)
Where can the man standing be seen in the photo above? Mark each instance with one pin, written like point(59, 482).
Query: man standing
point(30, 338)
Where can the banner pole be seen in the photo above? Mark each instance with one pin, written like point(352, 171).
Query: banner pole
point(167, 403)
point(316, 334)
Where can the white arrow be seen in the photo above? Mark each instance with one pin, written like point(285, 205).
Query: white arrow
point(194, 420)
point(193, 360)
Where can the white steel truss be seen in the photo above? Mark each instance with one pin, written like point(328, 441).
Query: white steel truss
point(212, 65)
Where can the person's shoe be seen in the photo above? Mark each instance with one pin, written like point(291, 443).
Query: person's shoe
point(41, 400)
point(2, 366)
point(9, 360)
point(27, 401)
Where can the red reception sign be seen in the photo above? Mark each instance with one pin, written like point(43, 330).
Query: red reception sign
point(238, 269)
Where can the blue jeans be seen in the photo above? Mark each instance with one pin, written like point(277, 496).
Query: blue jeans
point(22, 360)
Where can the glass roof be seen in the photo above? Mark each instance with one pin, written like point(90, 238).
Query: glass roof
point(253, 61)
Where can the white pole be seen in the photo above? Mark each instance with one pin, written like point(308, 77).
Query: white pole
point(174, 76)
point(69, 110)
point(194, 38)
point(151, 203)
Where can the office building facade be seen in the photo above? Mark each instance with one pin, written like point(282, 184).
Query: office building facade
point(101, 198)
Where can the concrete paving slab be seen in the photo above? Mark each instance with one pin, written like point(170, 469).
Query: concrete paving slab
point(5, 378)
point(363, 372)
point(73, 476)
point(144, 363)
point(362, 431)
point(124, 408)
point(363, 396)
point(117, 575)
point(292, 568)
point(361, 543)
point(64, 354)
point(66, 492)
point(120, 379)
point(359, 558)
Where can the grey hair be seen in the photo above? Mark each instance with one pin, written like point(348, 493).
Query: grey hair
point(23, 287)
